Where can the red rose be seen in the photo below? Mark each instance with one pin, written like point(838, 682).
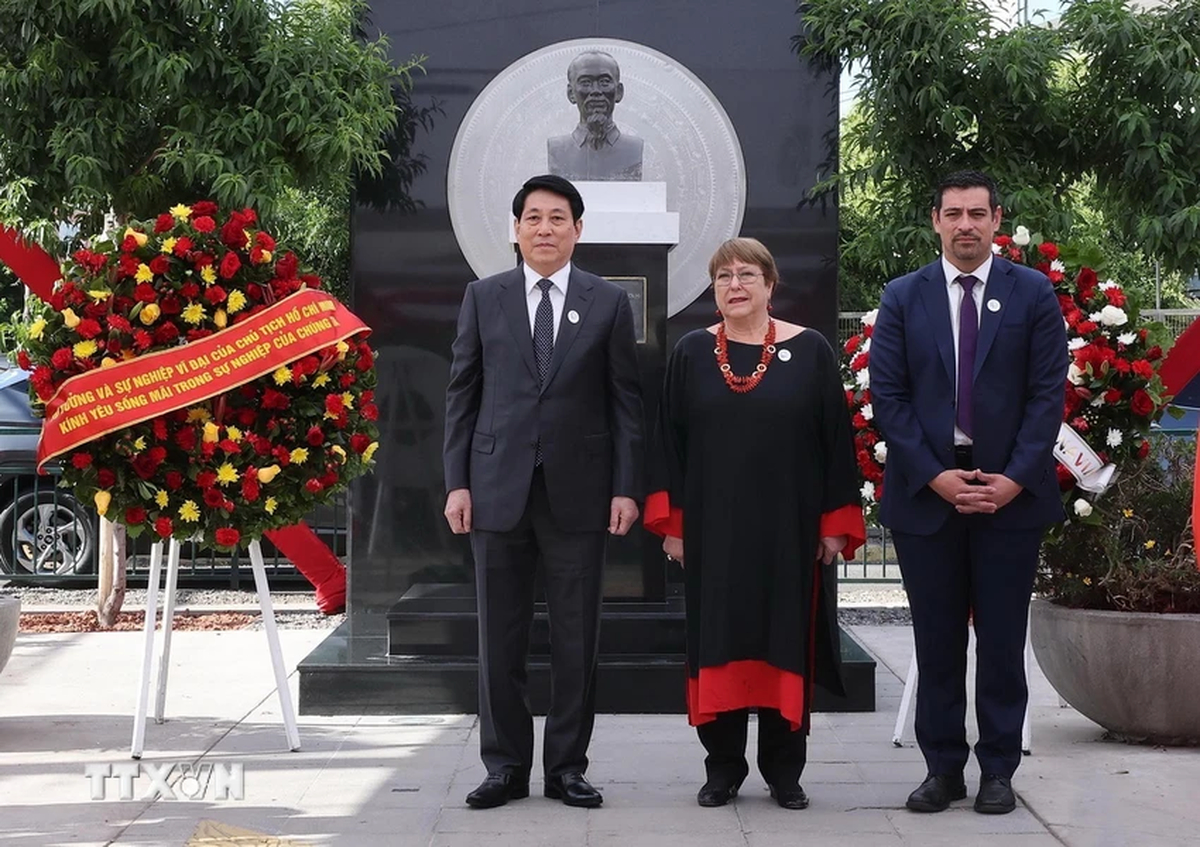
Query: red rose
point(204, 224)
point(145, 293)
point(1086, 327)
point(1143, 449)
point(1142, 333)
point(186, 439)
point(273, 399)
point(246, 416)
point(230, 265)
point(227, 536)
point(1143, 369)
point(859, 421)
point(329, 478)
point(88, 328)
point(164, 223)
point(106, 478)
point(852, 344)
point(171, 304)
point(315, 436)
point(1154, 353)
point(233, 233)
point(182, 246)
point(1048, 249)
point(190, 290)
point(1141, 404)
point(249, 488)
point(163, 527)
point(166, 333)
point(264, 241)
point(204, 207)
point(135, 515)
point(359, 442)
point(144, 466)
point(311, 280)
point(62, 358)
point(1002, 240)
point(81, 460)
point(1112, 396)
point(286, 267)
point(313, 485)
point(201, 261)
point(174, 480)
point(129, 244)
point(216, 294)
point(213, 498)
point(206, 479)
point(160, 264)
point(1086, 280)
point(23, 361)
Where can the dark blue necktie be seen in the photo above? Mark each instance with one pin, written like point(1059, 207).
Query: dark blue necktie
point(543, 344)
point(968, 340)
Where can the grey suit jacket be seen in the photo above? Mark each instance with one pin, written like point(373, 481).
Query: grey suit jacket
point(588, 415)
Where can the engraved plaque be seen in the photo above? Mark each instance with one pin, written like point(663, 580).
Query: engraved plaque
point(689, 144)
point(635, 287)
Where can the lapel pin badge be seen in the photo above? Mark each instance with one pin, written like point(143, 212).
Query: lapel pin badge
point(573, 316)
point(993, 305)
point(785, 355)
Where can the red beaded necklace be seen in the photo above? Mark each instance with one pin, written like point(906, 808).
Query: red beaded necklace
point(743, 384)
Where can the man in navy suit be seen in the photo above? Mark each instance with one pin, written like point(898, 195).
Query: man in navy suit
point(968, 361)
point(543, 458)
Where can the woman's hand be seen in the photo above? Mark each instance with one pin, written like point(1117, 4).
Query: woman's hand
point(829, 546)
point(673, 547)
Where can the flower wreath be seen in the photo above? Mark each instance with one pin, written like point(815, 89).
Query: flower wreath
point(254, 454)
point(1112, 396)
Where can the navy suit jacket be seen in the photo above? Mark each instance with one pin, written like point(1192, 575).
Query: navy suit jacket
point(588, 415)
point(1020, 373)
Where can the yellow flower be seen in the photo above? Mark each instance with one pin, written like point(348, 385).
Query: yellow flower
point(107, 362)
point(161, 498)
point(282, 376)
point(270, 505)
point(127, 354)
point(144, 274)
point(343, 348)
point(198, 413)
point(181, 212)
point(209, 275)
point(139, 237)
point(236, 301)
point(300, 455)
point(189, 511)
point(168, 245)
point(268, 473)
point(102, 499)
point(370, 451)
point(140, 443)
point(85, 348)
point(226, 474)
point(38, 328)
point(233, 434)
point(220, 319)
point(70, 318)
point(348, 400)
point(341, 454)
point(266, 257)
point(99, 294)
point(1127, 513)
point(212, 433)
point(149, 313)
point(1149, 545)
point(194, 313)
point(320, 380)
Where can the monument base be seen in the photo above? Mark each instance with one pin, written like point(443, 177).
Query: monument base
point(419, 658)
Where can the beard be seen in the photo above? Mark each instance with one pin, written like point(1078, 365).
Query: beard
point(598, 124)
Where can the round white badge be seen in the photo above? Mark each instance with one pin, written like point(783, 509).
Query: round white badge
point(573, 316)
point(993, 305)
point(785, 355)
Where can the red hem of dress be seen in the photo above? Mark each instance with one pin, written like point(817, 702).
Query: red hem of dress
point(746, 684)
point(661, 517)
point(848, 521)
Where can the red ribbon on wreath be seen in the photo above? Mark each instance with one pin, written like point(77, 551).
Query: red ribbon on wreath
point(1179, 368)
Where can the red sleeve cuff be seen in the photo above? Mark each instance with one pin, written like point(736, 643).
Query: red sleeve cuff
point(661, 517)
point(847, 521)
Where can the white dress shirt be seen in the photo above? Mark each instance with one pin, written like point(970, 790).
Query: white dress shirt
point(955, 292)
point(558, 293)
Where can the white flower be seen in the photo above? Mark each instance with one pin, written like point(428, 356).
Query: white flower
point(1107, 284)
point(869, 318)
point(1057, 265)
point(1126, 338)
point(1076, 342)
point(1112, 316)
point(1021, 237)
point(866, 346)
point(868, 492)
point(863, 378)
point(995, 247)
point(1098, 400)
point(867, 412)
point(1075, 374)
point(881, 452)
point(1083, 508)
point(1113, 439)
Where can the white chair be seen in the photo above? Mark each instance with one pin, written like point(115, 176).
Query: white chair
point(910, 690)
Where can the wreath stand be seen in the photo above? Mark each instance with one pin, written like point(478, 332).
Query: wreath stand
point(268, 618)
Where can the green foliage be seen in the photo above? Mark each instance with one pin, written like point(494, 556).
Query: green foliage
point(316, 224)
point(136, 106)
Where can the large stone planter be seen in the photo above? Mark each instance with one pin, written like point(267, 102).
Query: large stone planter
point(1136, 674)
point(10, 616)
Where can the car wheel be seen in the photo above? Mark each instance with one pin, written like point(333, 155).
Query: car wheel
point(46, 533)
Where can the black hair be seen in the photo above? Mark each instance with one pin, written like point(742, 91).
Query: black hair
point(967, 179)
point(555, 185)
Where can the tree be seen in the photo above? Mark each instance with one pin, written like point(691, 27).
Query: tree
point(1099, 109)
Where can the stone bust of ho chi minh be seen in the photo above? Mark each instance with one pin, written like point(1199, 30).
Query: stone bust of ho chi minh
point(597, 149)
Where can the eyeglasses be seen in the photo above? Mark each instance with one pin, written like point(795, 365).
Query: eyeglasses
point(725, 279)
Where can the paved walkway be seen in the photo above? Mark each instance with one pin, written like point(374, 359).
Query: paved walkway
point(66, 703)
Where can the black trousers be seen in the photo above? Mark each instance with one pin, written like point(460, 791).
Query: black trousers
point(782, 752)
point(571, 565)
point(970, 571)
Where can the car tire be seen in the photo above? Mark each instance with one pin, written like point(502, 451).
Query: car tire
point(47, 533)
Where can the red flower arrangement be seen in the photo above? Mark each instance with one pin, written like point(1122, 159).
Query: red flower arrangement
point(225, 470)
point(869, 447)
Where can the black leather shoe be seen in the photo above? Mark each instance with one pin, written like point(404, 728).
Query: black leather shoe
point(573, 790)
point(717, 792)
point(497, 790)
point(995, 795)
point(789, 797)
point(936, 793)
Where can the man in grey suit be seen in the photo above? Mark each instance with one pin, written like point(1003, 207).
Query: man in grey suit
point(543, 456)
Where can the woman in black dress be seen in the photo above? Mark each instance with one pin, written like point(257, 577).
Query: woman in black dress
point(756, 491)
